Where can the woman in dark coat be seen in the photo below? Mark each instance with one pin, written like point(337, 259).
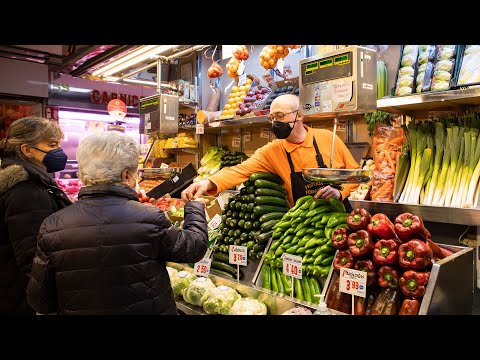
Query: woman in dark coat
point(107, 253)
point(28, 194)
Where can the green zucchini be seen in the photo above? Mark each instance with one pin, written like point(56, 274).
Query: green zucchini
point(221, 257)
point(221, 273)
point(259, 247)
point(270, 200)
point(273, 279)
point(306, 289)
point(298, 289)
point(264, 209)
point(268, 225)
point(268, 184)
point(271, 216)
point(270, 192)
point(266, 277)
point(264, 237)
point(224, 267)
point(265, 176)
point(278, 274)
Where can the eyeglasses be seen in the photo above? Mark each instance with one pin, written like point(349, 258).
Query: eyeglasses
point(280, 117)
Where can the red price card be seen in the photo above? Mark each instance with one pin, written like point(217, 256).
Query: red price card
point(292, 265)
point(237, 255)
point(353, 282)
point(202, 268)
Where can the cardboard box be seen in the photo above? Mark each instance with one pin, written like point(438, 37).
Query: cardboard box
point(213, 209)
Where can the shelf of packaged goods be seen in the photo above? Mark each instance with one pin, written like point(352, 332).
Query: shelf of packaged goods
point(236, 123)
point(182, 150)
point(438, 100)
point(441, 214)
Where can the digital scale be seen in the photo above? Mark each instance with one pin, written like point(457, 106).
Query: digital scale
point(338, 83)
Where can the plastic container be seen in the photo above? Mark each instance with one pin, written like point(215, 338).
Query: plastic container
point(322, 307)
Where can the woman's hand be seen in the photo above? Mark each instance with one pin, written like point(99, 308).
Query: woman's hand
point(328, 192)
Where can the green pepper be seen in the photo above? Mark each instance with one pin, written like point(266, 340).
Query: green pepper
point(319, 210)
point(327, 260)
point(337, 205)
point(328, 232)
point(317, 270)
point(282, 224)
point(273, 280)
point(310, 251)
point(311, 230)
point(309, 268)
point(299, 227)
point(307, 203)
point(318, 202)
point(301, 201)
point(275, 245)
point(278, 263)
point(287, 239)
point(317, 252)
point(319, 258)
point(306, 289)
point(295, 240)
point(292, 249)
point(316, 218)
point(301, 232)
point(310, 243)
point(296, 222)
point(298, 289)
point(278, 273)
point(276, 234)
point(287, 283)
point(319, 225)
point(300, 250)
point(325, 217)
point(279, 251)
point(319, 233)
point(303, 215)
point(324, 271)
point(269, 255)
point(337, 219)
point(290, 231)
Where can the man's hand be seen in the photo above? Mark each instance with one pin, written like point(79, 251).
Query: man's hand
point(196, 189)
point(328, 192)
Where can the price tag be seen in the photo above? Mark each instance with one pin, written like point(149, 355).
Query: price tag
point(265, 133)
point(216, 220)
point(236, 141)
point(200, 129)
point(247, 137)
point(292, 265)
point(280, 64)
point(164, 166)
point(144, 148)
point(202, 268)
point(237, 255)
point(240, 73)
point(268, 79)
point(175, 179)
point(353, 282)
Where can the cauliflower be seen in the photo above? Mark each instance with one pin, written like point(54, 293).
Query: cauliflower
point(181, 281)
point(171, 271)
point(221, 300)
point(198, 291)
point(248, 306)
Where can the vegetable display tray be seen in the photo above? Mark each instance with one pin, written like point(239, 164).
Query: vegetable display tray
point(336, 176)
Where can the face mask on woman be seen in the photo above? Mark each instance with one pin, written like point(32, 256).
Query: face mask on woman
point(54, 160)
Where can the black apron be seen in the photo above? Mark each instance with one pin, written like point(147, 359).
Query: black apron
point(302, 187)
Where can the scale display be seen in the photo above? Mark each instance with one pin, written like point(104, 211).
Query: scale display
point(329, 68)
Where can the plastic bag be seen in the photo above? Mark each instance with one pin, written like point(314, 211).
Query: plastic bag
point(444, 67)
point(426, 56)
point(387, 146)
point(405, 83)
point(470, 68)
point(214, 70)
point(198, 291)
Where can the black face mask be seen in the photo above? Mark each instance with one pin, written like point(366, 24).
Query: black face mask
point(54, 160)
point(283, 130)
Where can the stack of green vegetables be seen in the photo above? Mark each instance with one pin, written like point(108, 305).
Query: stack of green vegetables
point(248, 217)
point(306, 231)
point(231, 158)
point(211, 162)
point(443, 164)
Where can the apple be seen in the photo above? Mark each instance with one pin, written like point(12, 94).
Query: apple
point(251, 93)
point(259, 96)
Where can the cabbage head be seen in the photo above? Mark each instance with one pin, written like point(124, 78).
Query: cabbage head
point(221, 300)
point(181, 281)
point(171, 271)
point(198, 291)
point(248, 306)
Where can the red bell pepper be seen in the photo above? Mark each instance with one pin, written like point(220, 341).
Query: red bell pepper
point(370, 268)
point(413, 283)
point(438, 252)
point(339, 238)
point(388, 276)
point(358, 219)
point(381, 226)
point(410, 307)
point(385, 252)
point(409, 226)
point(360, 243)
point(415, 255)
point(343, 259)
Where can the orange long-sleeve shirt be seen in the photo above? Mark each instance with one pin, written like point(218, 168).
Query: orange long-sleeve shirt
point(272, 158)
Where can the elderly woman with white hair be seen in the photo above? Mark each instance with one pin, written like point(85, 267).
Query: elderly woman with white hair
point(107, 253)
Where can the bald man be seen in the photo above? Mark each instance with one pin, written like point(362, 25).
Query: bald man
point(297, 146)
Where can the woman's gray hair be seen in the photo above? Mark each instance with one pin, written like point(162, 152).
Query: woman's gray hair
point(102, 157)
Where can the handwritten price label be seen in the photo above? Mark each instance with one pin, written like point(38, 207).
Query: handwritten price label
point(216, 220)
point(200, 129)
point(236, 141)
point(202, 268)
point(353, 282)
point(237, 255)
point(292, 265)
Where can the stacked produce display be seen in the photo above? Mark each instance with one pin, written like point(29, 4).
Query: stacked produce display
point(211, 162)
point(397, 257)
point(248, 217)
point(215, 300)
point(307, 230)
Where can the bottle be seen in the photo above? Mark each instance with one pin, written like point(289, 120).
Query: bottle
point(322, 307)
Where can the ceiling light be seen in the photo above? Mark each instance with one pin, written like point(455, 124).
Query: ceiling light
point(143, 82)
point(145, 52)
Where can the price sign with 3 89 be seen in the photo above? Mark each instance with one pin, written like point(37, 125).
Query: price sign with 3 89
point(237, 255)
point(292, 265)
point(353, 282)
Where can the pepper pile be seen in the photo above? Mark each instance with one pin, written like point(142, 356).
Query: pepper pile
point(397, 257)
point(306, 230)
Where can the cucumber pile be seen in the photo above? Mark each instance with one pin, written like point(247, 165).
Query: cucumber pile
point(231, 158)
point(249, 217)
point(305, 230)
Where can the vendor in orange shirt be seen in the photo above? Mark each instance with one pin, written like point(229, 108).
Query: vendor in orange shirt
point(297, 146)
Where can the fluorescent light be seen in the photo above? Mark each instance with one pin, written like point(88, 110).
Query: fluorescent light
point(73, 115)
point(133, 58)
point(143, 82)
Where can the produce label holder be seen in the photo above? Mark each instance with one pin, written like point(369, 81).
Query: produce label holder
point(292, 266)
point(353, 282)
point(237, 255)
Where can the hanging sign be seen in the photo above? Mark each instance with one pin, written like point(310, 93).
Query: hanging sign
point(117, 109)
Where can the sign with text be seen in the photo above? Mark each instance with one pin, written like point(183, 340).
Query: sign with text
point(247, 137)
point(216, 220)
point(292, 265)
point(202, 268)
point(200, 129)
point(265, 133)
point(353, 282)
point(236, 141)
point(237, 255)
point(51, 113)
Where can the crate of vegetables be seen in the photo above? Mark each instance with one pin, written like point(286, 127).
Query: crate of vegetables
point(407, 272)
point(255, 98)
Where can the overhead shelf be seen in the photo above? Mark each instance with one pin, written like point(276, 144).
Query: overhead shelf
point(187, 104)
point(182, 150)
point(437, 100)
point(237, 123)
point(446, 215)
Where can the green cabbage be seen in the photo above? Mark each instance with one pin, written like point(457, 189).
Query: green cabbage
point(444, 65)
point(442, 75)
point(406, 70)
point(248, 306)
point(181, 281)
point(221, 300)
point(198, 291)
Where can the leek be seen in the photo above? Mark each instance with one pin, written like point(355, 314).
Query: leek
point(423, 168)
point(411, 135)
point(440, 182)
point(439, 152)
point(460, 143)
point(474, 158)
point(454, 154)
point(421, 145)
